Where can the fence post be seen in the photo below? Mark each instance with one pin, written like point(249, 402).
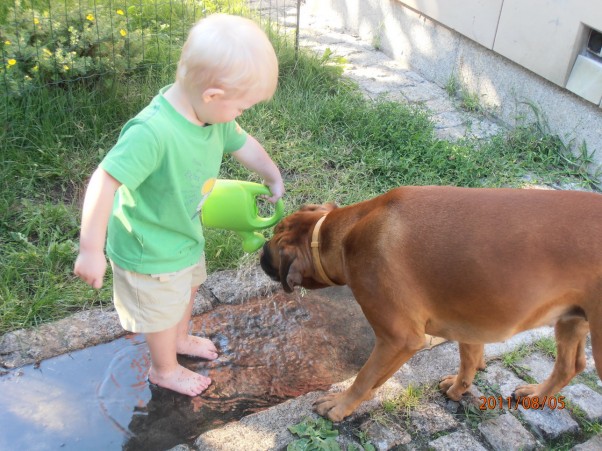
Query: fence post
point(297, 29)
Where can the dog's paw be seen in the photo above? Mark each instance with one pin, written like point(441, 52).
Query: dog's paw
point(446, 382)
point(332, 406)
point(452, 388)
point(525, 391)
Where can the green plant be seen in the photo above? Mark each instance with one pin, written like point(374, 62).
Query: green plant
point(314, 435)
point(592, 427)
point(469, 101)
point(510, 360)
point(589, 378)
point(474, 416)
point(406, 401)
point(547, 346)
point(377, 37)
point(452, 86)
point(365, 444)
point(87, 41)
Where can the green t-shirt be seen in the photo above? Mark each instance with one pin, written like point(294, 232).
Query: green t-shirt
point(163, 162)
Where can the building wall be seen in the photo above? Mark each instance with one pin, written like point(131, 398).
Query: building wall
point(508, 52)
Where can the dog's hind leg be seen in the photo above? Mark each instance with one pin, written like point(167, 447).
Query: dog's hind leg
point(570, 334)
point(471, 360)
point(595, 322)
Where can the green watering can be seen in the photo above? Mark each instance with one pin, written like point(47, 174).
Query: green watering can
point(232, 205)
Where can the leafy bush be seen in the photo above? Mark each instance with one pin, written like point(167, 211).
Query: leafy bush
point(90, 40)
point(39, 47)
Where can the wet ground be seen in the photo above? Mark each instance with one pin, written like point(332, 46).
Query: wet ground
point(271, 349)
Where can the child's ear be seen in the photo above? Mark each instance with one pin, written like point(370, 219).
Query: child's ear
point(212, 94)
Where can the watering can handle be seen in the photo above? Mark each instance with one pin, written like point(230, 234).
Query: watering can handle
point(262, 190)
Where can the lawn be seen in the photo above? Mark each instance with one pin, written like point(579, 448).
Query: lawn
point(331, 144)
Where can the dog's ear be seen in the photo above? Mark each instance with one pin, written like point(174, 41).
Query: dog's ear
point(289, 273)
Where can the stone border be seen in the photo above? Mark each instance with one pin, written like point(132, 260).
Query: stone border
point(101, 325)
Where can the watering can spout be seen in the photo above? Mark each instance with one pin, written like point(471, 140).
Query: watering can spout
point(232, 205)
point(251, 241)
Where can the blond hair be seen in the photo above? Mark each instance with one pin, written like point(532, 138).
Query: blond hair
point(230, 53)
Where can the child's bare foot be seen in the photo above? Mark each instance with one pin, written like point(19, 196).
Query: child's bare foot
point(197, 347)
point(180, 380)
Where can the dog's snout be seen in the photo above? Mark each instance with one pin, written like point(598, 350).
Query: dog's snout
point(267, 264)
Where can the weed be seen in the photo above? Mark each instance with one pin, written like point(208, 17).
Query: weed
point(410, 398)
point(590, 379)
point(469, 101)
point(510, 360)
point(452, 86)
point(314, 434)
point(592, 427)
point(547, 346)
point(365, 444)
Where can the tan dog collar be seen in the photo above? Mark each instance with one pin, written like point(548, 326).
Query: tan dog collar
point(315, 251)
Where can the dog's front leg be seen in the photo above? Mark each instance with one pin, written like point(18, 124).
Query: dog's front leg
point(471, 360)
point(386, 358)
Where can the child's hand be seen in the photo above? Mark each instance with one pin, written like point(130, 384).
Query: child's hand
point(277, 190)
point(91, 267)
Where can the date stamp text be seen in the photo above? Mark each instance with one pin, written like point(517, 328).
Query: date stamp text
point(512, 403)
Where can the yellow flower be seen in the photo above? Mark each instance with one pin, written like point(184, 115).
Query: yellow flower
point(66, 67)
point(36, 21)
point(47, 52)
point(7, 42)
point(12, 62)
point(90, 17)
point(123, 33)
point(120, 12)
point(36, 68)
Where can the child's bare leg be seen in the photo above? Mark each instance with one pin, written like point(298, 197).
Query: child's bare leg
point(189, 344)
point(165, 370)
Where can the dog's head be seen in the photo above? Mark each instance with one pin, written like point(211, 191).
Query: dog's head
point(286, 258)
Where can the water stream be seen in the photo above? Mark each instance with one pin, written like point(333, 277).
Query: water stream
point(271, 349)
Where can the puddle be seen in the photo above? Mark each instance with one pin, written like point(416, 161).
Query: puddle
point(271, 349)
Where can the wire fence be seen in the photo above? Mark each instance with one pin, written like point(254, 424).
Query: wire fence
point(63, 42)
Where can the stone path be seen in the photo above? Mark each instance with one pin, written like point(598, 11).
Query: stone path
point(438, 423)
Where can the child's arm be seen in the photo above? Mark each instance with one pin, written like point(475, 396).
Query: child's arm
point(91, 264)
point(253, 156)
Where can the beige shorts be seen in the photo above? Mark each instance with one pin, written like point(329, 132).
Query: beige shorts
point(154, 302)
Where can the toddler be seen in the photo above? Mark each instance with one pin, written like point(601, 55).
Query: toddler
point(145, 196)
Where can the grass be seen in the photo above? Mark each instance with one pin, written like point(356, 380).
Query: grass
point(409, 399)
point(330, 143)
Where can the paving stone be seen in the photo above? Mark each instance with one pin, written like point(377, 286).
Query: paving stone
point(448, 119)
point(502, 379)
point(537, 365)
point(234, 287)
point(549, 423)
point(182, 447)
point(506, 433)
point(588, 400)
point(430, 419)
point(593, 444)
point(457, 441)
point(472, 397)
point(385, 437)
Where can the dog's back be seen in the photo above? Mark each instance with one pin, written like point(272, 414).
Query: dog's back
point(508, 255)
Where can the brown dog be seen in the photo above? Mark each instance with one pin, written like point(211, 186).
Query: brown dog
point(467, 264)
